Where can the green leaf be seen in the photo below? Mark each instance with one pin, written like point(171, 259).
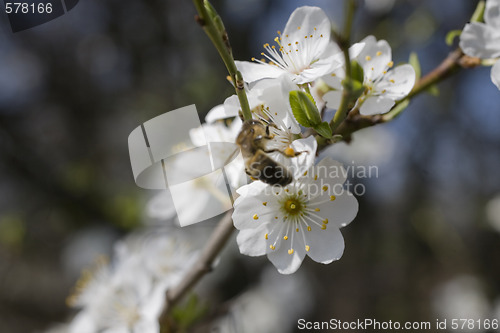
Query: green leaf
point(324, 130)
point(415, 63)
point(433, 90)
point(304, 108)
point(357, 72)
point(188, 313)
point(478, 15)
point(450, 36)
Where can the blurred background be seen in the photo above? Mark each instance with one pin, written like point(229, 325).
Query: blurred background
point(425, 244)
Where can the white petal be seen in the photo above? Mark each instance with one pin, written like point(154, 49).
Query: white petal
point(249, 210)
point(274, 94)
point(376, 105)
point(374, 58)
point(341, 211)
point(218, 112)
point(287, 263)
point(495, 74)
point(301, 163)
point(492, 13)
point(147, 326)
point(254, 71)
point(308, 19)
point(333, 99)
point(480, 40)
point(397, 83)
point(326, 245)
point(252, 242)
point(318, 69)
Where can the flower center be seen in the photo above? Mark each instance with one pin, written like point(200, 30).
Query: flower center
point(292, 206)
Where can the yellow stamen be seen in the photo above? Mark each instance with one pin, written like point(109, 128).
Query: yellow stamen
point(308, 228)
point(265, 203)
point(308, 248)
point(297, 229)
point(272, 247)
point(325, 188)
point(332, 198)
point(290, 251)
point(323, 227)
point(316, 177)
point(266, 236)
point(325, 221)
point(390, 64)
point(316, 209)
point(368, 58)
point(289, 152)
point(379, 53)
point(255, 217)
point(285, 238)
point(305, 173)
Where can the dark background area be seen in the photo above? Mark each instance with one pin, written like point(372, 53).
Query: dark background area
point(72, 90)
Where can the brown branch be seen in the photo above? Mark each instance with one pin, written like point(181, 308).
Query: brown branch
point(204, 265)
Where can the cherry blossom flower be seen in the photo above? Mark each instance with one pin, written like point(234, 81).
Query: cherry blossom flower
point(286, 223)
point(482, 40)
point(303, 51)
point(383, 86)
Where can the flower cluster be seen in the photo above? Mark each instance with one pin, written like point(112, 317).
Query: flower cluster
point(128, 295)
point(300, 211)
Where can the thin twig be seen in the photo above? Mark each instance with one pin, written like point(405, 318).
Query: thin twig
point(344, 42)
point(218, 35)
point(204, 265)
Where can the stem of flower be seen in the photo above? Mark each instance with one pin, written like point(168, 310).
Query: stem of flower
point(344, 43)
point(204, 265)
point(212, 24)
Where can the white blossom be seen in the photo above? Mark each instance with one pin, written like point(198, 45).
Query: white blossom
point(303, 51)
point(383, 86)
point(482, 40)
point(286, 223)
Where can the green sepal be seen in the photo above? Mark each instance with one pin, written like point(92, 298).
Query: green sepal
point(415, 63)
point(433, 90)
point(357, 89)
point(357, 72)
point(450, 36)
point(304, 108)
point(324, 130)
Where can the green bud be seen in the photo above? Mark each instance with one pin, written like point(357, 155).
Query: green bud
point(415, 63)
